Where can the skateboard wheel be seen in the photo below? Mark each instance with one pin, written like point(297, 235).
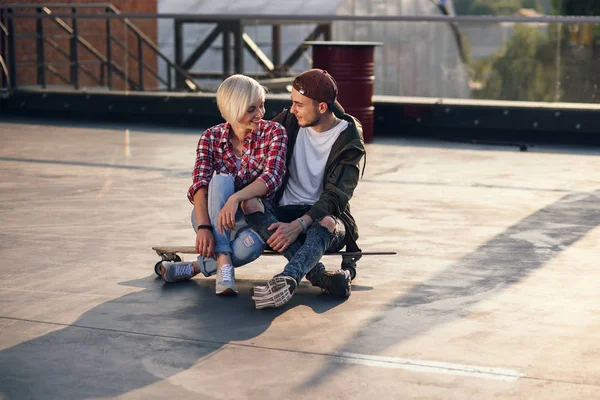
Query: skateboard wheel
point(177, 258)
point(157, 268)
point(352, 271)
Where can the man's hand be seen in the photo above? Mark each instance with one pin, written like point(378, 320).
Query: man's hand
point(284, 235)
point(205, 243)
point(227, 214)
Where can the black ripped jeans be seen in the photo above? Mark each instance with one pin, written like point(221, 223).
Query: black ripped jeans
point(305, 253)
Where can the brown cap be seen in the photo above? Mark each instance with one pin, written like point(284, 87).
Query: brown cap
point(318, 85)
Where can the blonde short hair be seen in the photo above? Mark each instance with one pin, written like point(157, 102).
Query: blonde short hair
point(235, 95)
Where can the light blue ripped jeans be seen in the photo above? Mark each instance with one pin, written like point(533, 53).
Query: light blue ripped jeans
point(243, 243)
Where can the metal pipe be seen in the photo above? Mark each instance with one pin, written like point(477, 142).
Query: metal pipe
point(40, 51)
point(74, 55)
point(12, 61)
point(140, 61)
point(108, 53)
point(268, 19)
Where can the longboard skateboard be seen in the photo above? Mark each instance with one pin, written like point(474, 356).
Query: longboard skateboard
point(349, 259)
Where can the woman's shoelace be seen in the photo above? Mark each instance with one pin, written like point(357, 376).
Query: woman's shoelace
point(185, 269)
point(227, 272)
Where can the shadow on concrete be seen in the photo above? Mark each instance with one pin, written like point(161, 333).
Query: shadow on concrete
point(138, 339)
point(85, 164)
point(501, 262)
point(441, 142)
point(139, 126)
point(184, 173)
point(465, 185)
point(430, 140)
point(361, 288)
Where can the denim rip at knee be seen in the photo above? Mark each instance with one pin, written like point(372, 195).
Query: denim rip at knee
point(246, 245)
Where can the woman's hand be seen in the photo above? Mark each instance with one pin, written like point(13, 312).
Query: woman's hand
point(205, 243)
point(227, 214)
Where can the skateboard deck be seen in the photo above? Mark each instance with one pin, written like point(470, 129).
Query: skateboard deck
point(192, 250)
point(349, 259)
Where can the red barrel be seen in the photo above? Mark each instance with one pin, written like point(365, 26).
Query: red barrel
point(352, 66)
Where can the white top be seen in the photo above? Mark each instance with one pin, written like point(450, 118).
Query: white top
point(307, 167)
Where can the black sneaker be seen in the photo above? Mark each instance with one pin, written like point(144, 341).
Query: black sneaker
point(337, 283)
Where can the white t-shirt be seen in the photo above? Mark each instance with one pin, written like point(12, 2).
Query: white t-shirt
point(307, 167)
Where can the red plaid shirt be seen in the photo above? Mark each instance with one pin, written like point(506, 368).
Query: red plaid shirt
point(263, 157)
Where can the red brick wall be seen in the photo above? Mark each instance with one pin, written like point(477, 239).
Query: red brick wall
point(94, 31)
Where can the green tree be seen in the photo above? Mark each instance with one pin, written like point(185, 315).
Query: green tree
point(580, 52)
point(525, 70)
point(560, 65)
point(495, 7)
point(576, 7)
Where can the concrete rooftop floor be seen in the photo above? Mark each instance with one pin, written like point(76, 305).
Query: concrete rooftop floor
point(493, 292)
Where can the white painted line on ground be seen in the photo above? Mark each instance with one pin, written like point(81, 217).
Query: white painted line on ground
point(127, 148)
point(436, 367)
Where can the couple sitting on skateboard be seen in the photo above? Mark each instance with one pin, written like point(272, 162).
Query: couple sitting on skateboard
point(284, 183)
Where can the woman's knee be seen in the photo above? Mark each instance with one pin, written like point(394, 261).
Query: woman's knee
point(252, 206)
point(247, 247)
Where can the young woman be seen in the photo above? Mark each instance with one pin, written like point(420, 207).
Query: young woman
point(236, 161)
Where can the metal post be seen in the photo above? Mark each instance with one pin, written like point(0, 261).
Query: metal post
point(39, 46)
point(3, 44)
point(238, 48)
point(12, 62)
point(276, 48)
point(2, 33)
point(108, 51)
point(327, 32)
point(140, 63)
point(226, 50)
point(102, 74)
point(169, 80)
point(178, 30)
point(73, 53)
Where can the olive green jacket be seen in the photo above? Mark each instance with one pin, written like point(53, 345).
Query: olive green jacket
point(342, 172)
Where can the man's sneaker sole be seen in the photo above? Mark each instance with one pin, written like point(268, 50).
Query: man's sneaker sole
point(277, 292)
point(227, 292)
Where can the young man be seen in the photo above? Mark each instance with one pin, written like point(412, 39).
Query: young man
point(311, 211)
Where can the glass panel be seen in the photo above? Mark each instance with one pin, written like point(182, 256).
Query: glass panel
point(508, 61)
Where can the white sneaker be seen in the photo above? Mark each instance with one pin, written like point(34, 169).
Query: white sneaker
point(225, 281)
point(175, 271)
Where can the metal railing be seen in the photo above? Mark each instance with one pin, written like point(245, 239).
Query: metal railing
point(424, 56)
point(108, 65)
point(179, 74)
